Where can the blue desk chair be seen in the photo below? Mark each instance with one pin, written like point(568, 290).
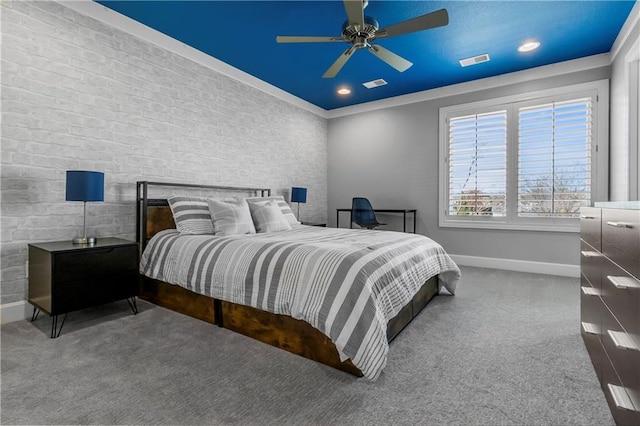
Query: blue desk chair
point(362, 213)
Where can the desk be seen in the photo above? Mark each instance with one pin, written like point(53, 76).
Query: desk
point(403, 211)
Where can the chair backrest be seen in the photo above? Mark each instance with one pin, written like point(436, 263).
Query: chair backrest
point(361, 211)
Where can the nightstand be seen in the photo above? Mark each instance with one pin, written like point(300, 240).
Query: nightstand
point(66, 277)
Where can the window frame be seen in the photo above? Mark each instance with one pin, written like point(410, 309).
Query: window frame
point(597, 90)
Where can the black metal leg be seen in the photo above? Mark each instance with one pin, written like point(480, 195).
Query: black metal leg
point(414, 222)
point(55, 331)
point(132, 304)
point(404, 223)
point(34, 316)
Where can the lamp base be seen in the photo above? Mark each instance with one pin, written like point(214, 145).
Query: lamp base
point(84, 240)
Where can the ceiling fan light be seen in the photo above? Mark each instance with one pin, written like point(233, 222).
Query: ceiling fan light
point(528, 46)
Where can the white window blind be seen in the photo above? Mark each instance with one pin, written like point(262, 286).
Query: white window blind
point(477, 161)
point(554, 158)
point(527, 161)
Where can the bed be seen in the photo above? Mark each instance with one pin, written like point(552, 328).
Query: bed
point(337, 296)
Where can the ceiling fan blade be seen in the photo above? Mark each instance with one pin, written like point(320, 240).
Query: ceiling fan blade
point(435, 19)
point(306, 39)
point(339, 63)
point(390, 58)
point(355, 12)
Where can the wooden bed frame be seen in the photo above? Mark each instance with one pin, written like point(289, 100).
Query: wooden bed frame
point(290, 334)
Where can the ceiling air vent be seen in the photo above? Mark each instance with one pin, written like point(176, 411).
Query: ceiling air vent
point(374, 83)
point(475, 60)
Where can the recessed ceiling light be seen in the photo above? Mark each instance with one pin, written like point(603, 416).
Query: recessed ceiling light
point(344, 91)
point(529, 46)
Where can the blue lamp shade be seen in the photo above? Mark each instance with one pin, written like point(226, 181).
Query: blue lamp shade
point(83, 185)
point(298, 195)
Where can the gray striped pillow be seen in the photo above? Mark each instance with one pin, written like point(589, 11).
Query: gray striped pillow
point(231, 217)
point(267, 217)
point(284, 207)
point(191, 215)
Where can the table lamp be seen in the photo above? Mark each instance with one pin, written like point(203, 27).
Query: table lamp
point(84, 186)
point(298, 195)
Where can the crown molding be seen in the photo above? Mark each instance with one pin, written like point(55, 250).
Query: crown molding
point(552, 70)
point(114, 19)
point(625, 32)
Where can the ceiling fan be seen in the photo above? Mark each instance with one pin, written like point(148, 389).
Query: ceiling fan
point(361, 31)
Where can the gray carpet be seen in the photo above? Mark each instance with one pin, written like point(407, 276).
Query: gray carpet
point(505, 350)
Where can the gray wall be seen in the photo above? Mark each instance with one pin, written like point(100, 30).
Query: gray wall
point(77, 94)
point(624, 152)
point(391, 157)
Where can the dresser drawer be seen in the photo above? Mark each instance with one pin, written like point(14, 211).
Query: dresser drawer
point(621, 293)
point(591, 311)
point(596, 352)
point(621, 238)
point(591, 305)
point(622, 408)
point(590, 226)
point(623, 350)
point(591, 264)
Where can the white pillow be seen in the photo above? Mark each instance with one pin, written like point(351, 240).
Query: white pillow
point(284, 207)
point(267, 217)
point(191, 215)
point(231, 217)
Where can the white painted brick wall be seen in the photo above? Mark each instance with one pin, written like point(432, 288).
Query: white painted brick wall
point(77, 94)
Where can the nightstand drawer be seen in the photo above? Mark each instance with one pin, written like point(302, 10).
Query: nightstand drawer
point(92, 277)
point(314, 224)
point(95, 264)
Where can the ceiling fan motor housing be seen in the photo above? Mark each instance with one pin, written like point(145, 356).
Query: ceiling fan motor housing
point(360, 37)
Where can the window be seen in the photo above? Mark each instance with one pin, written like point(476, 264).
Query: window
point(525, 162)
point(554, 159)
point(478, 164)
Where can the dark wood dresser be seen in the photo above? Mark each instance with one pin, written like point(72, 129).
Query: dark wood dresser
point(610, 302)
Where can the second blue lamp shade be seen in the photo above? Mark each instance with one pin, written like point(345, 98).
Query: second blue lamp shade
point(298, 195)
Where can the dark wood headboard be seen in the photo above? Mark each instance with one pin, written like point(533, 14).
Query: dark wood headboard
point(154, 214)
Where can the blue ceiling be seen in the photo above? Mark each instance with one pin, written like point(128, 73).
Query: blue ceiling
point(243, 35)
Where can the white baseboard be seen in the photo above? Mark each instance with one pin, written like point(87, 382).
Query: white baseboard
point(15, 311)
point(518, 265)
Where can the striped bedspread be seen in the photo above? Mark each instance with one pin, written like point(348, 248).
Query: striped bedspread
point(347, 283)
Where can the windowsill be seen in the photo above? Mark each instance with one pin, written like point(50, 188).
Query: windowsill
point(566, 228)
